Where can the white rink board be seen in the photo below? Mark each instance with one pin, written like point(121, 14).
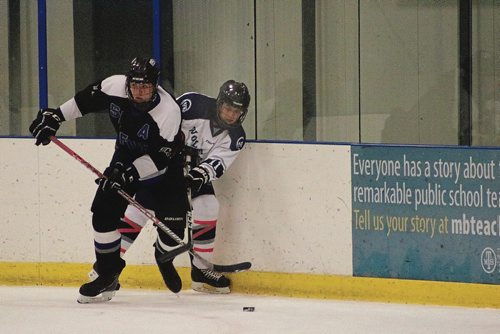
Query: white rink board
point(285, 207)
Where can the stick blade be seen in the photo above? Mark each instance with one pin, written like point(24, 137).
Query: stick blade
point(232, 268)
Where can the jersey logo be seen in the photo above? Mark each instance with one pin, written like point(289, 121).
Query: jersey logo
point(122, 138)
point(167, 151)
point(132, 145)
point(143, 132)
point(186, 105)
point(193, 137)
point(95, 88)
point(114, 110)
point(239, 143)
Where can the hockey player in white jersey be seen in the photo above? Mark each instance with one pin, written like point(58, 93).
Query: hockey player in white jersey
point(213, 128)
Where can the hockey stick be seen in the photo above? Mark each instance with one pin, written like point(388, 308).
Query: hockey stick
point(184, 247)
point(170, 255)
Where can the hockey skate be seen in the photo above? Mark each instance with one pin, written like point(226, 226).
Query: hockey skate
point(94, 273)
point(101, 289)
point(169, 274)
point(209, 281)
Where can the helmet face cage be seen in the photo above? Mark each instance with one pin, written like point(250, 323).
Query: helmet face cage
point(234, 94)
point(144, 71)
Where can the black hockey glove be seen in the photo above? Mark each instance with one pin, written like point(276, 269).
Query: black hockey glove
point(193, 153)
point(118, 176)
point(196, 178)
point(46, 125)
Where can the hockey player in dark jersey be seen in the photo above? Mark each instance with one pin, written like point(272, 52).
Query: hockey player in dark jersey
point(213, 128)
point(146, 164)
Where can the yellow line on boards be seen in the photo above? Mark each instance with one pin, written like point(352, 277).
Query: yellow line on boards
point(273, 284)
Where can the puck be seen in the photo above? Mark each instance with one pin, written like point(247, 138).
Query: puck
point(248, 309)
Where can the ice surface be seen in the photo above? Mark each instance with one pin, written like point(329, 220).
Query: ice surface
point(55, 310)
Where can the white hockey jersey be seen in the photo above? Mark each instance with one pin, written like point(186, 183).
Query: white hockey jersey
point(218, 148)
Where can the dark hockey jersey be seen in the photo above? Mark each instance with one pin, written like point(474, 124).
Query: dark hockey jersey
point(144, 138)
point(218, 148)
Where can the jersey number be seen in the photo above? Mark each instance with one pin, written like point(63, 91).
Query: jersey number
point(216, 165)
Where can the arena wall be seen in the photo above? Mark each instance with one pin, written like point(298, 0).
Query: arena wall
point(286, 207)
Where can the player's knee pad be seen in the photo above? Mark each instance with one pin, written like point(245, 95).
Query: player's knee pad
point(205, 207)
point(108, 202)
point(131, 225)
point(133, 214)
point(105, 222)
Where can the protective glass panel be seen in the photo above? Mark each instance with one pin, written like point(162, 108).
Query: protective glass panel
point(409, 72)
point(486, 74)
point(18, 66)
point(317, 70)
point(89, 41)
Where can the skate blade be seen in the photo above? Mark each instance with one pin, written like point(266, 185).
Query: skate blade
point(206, 288)
point(100, 298)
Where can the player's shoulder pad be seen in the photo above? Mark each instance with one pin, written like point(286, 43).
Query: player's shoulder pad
point(167, 98)
point(238, 138)
point(196, 105)
point(166, 114)
point(114, 85)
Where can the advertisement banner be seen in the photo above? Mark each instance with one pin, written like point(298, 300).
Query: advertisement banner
point(426, 213)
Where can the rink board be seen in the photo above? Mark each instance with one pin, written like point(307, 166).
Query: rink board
point(286, 207)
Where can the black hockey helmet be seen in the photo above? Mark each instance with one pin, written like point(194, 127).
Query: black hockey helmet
point(234, 94)
point(143, 70)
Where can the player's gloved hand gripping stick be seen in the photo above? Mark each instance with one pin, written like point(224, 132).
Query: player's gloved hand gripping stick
point(183, 246)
